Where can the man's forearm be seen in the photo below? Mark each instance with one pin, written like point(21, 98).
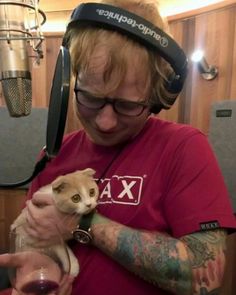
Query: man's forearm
point(156, 257)
point(206, 251)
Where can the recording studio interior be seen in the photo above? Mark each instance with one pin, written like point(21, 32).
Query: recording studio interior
point(205, 30)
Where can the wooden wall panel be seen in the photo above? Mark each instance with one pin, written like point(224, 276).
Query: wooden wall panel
point(2, 225)
point(203, 92)
point(1, 96)
point(214, 32)
point(173, 113)
point(39, 74)
point(233, 61)
point(11, 202)
point(42, 75)
point(229, 280)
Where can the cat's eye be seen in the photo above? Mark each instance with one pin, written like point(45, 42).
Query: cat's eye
point(76, 198)
point(92, 192)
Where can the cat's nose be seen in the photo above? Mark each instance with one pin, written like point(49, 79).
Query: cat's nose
point(88, 205)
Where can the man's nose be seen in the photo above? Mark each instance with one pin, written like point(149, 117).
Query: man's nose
point(106, 119)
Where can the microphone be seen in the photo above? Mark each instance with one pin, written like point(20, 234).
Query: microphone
point(15, 38)
point(57, 112)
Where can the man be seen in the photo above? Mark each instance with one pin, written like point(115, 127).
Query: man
point(163, 210)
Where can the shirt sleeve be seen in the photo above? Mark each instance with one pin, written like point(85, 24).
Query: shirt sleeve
point(196, 196)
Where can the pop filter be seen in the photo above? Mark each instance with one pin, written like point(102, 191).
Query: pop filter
point(57, 112)
point(58, 105)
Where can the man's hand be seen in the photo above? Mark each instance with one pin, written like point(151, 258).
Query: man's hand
point(45, 222)
point(30, 265)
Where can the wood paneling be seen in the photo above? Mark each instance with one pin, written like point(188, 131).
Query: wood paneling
point(229, 281)
point(165, 5)
point(2, 224)
point(214, 32)
point(58, 5)
point(42, 75)
point(201, 10)
point(11, 202)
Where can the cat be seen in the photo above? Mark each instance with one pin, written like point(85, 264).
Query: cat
point(73, 193)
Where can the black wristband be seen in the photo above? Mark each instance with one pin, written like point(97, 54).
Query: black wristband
point(85, 221)
point(82, 232)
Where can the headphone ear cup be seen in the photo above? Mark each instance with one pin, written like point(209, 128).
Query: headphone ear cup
point(156, 108)
point(173, 86)
point(174, 83)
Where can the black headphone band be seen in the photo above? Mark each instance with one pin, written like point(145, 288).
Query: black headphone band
point(138, 28)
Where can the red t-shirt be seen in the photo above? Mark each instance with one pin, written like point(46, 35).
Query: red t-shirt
point(166, 179)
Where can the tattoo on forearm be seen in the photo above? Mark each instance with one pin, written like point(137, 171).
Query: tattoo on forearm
point(193, 264)
point(207, 259)
point(159, 260)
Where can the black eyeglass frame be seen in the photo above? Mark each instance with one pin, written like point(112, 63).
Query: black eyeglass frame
point(112, 101)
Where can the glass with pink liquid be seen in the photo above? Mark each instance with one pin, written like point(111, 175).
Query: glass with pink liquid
point(37, 270)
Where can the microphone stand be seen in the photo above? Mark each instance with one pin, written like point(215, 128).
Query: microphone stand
point(39, 166)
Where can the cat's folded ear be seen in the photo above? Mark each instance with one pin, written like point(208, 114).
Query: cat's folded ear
point(88, 171)
point(59, 184)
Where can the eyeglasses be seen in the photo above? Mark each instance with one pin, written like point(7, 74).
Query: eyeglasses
point(120, 106)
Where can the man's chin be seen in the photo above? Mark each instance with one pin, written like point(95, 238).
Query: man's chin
point(109, 142)
point(106, 143)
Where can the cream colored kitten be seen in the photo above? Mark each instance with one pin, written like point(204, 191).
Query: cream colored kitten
point(73, 193)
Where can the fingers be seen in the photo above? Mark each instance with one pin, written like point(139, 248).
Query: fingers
point(5, 260)
point(22, 258)
point(45, 222)
point(12, 260)
point(40, 212)
point(40, 217)
point(42, 199)
point(31, 231)
point(32, 216)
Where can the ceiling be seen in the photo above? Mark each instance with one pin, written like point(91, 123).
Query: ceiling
point(168, 7)
point(58, 11)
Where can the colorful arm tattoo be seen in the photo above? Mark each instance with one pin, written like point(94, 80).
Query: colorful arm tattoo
point(156, 257)
point(207, 256)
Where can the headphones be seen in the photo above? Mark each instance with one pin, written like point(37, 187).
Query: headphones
point(114, 18)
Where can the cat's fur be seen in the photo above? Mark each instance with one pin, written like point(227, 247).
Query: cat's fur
point(73, 193)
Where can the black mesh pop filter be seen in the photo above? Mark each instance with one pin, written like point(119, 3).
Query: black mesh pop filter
point(58, 105)
point(57, 112)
